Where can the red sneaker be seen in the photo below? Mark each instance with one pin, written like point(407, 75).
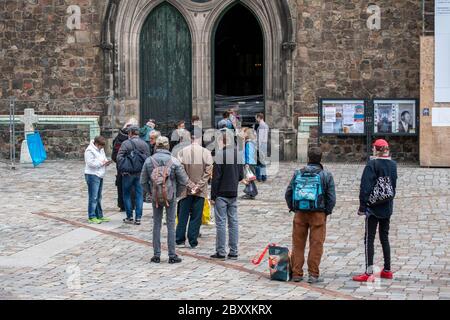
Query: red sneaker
point(364, 278)
point(386, 274)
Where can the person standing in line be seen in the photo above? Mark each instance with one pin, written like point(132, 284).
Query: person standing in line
point(130, 159)
point(225, 122)
point(227, 174)
point(154, 135)
point(380, 168)
point(198, 164)
point(263, 144)
point(179, 135)
point(117, 143)
point(164, 177)
point(146, 130)
point(251, 191)
point(95, 170)
point(310, 219)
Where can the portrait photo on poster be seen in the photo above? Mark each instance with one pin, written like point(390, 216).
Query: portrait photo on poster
point(396, 117)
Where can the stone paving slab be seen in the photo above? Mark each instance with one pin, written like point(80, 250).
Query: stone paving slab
point(111, 267)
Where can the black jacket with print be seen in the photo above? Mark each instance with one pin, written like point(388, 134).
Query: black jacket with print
point(380, 167)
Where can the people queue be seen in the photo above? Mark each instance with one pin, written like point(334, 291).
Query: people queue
point(176, 180)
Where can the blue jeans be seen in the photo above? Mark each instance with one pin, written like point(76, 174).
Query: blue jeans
point(95, 185)
point(261, 172)
point(225, 210)
point(190, 209)
point(128, 182)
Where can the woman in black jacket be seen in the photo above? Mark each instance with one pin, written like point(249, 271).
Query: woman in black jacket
point(377, 192)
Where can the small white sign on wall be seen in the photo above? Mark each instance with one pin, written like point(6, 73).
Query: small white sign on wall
point(442, 51)
point(441, 117)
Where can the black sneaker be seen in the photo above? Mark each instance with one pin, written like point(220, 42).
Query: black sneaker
point(233, 256)
point(297, 278)
point(137, 222)
point(155, 259)
point(218, 257)
point(128, 220)
point(175, 259)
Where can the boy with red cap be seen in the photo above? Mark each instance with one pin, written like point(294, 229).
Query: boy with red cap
point(377, 192)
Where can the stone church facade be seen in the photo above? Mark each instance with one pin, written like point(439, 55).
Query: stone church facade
point(312, 49)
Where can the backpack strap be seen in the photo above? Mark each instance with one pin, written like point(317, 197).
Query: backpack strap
point(155, 187)
point(134, 145)
point(155, 164)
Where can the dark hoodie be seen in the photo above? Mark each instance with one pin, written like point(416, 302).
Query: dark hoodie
point(227, 173)
point(117, 143)
point(327, 186)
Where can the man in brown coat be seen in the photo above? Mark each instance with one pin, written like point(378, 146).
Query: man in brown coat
point(198, 164)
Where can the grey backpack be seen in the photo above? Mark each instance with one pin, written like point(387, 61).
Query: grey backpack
point(163, 190)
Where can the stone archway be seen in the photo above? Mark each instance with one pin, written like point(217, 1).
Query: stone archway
point(278, 21)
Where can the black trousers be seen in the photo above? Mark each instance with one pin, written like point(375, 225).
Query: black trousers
point(372, 223)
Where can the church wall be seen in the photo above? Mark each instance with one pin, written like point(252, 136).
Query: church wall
point(336, 55)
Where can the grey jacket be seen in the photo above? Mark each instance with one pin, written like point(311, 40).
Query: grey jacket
point(328, 186)
point(178, 175)
point(127, 147)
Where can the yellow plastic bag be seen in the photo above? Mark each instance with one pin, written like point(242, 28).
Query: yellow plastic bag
point(206, 217)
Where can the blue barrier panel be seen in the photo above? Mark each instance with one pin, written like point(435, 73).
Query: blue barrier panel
point(36, 148)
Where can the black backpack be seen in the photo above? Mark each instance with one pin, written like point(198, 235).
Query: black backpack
point(133, 162)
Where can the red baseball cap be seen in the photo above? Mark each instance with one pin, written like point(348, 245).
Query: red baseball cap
point(381, 143)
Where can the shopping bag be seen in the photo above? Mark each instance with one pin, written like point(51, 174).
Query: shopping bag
point(249, 175)
point(36, 148)
point(206, 216)
point(251, 190)
point(279, 262)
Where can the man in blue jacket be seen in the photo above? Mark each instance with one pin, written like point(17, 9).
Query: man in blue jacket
point(312, 223)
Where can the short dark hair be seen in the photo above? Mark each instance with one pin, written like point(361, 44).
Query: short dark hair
point(100, 141)
point(315, 155)
point(179, 123)
point(226, 114)
point(195, 118)
point(260, 115)
point(404, 114)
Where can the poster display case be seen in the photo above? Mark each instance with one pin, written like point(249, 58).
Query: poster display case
point(395, 117)
point(343, 117)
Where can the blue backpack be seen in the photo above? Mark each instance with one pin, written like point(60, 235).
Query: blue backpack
point(308, 191)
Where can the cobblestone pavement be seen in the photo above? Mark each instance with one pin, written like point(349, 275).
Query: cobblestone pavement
point(47, 251)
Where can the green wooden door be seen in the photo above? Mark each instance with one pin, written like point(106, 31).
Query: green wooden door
point(166, 68)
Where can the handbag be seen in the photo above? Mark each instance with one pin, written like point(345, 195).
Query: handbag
point(382, 192)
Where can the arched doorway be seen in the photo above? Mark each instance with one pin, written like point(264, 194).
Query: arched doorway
point(238, 64)
point(165, 68)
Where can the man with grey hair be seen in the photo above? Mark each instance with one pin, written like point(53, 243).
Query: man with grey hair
point(154, 135)
point(130, 160)
point(164, 177)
